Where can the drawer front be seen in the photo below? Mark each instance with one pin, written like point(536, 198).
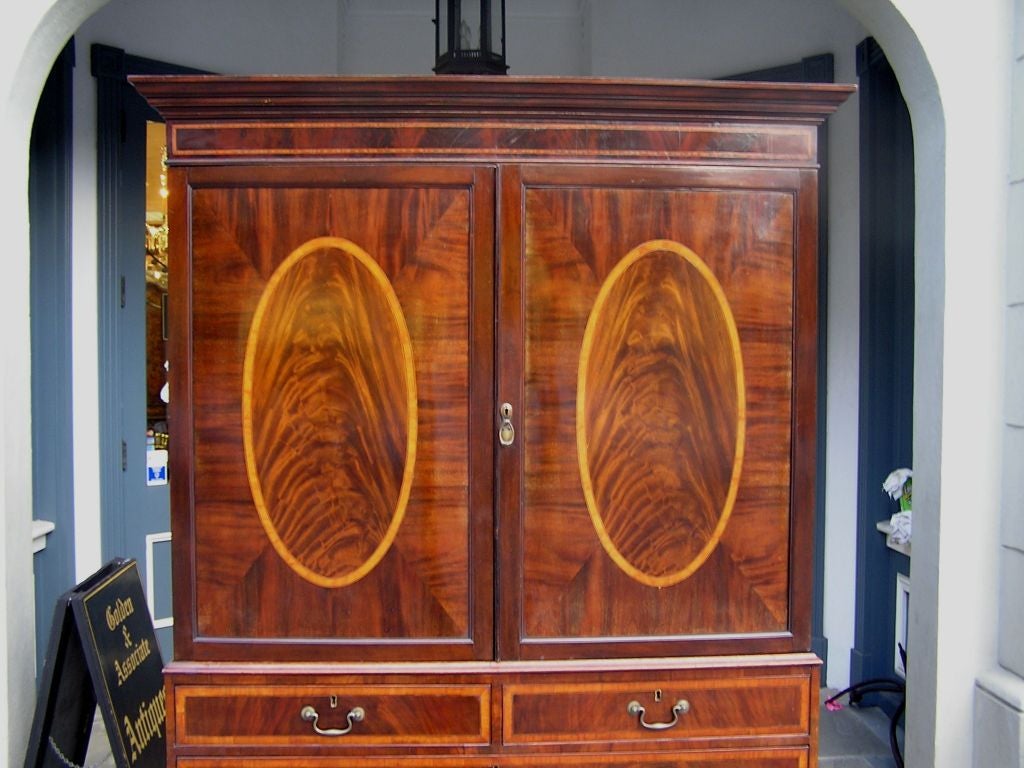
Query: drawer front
point(340, 762)
point(289, 715)
point(778, 758)
point(657, 710)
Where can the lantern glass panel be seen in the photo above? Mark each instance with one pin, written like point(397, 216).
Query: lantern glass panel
point(469, 26)
point(497, 26)
point(444, 45)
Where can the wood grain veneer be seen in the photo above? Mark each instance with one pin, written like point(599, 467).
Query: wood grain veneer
point(661, 373)
point(522, 708)
point(409, 715)
point(329, 411)
point(332, 441)
point(579, 226)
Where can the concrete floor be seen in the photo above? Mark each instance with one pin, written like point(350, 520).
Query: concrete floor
point(849, 738)
point(854, 738)
point(98, 755)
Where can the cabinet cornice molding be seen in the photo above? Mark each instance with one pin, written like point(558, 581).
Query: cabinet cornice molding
point(485, 97)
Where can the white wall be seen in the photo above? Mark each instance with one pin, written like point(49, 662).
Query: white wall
point(999, 699)
point(953, 63)
point(696, 39)
point(224, 36)
point(546, 37)
point(1011, 649)
point(386, 37)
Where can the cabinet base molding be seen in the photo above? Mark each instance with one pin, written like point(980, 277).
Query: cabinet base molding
point(775, 758)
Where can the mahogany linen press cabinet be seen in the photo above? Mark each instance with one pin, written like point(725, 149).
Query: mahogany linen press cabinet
point(493, 421)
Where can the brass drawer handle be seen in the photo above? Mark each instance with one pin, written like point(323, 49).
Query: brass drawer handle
point(354, 716)
point(681, 707)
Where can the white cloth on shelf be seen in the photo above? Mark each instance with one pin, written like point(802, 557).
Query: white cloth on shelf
point(900, 524)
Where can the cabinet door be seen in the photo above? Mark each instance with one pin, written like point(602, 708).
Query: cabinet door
point(658, 343)
point(333, 350)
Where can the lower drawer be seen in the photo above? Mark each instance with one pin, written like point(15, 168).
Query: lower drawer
point(775, 758)
point(303, 715)
point(788, 758)
point(699, 708)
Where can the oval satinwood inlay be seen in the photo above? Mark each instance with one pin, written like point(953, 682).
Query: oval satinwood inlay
point(329, 412)
point(660, 413)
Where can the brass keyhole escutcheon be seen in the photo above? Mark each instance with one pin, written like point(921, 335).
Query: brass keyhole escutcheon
point(506, 432)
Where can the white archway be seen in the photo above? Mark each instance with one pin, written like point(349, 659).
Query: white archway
point(958, 352)
point(953, 65)
point(29, 43)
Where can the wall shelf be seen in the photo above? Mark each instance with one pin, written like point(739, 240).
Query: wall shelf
point(884, 527)
point(40, 529)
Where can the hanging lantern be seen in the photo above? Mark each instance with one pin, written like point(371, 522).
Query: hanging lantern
point(469, 37)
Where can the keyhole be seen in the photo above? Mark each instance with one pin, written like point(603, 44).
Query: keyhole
point(657, 695)
point(334, 702)
point(506, 432)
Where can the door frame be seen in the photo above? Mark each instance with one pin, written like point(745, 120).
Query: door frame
point(886, 405)
point(120, 110)
point(53, 499)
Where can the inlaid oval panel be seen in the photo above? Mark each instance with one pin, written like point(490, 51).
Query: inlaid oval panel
point(329, 412)
point(660, 413)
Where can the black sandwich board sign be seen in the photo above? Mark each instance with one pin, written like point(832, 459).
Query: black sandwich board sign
point(102, 650)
